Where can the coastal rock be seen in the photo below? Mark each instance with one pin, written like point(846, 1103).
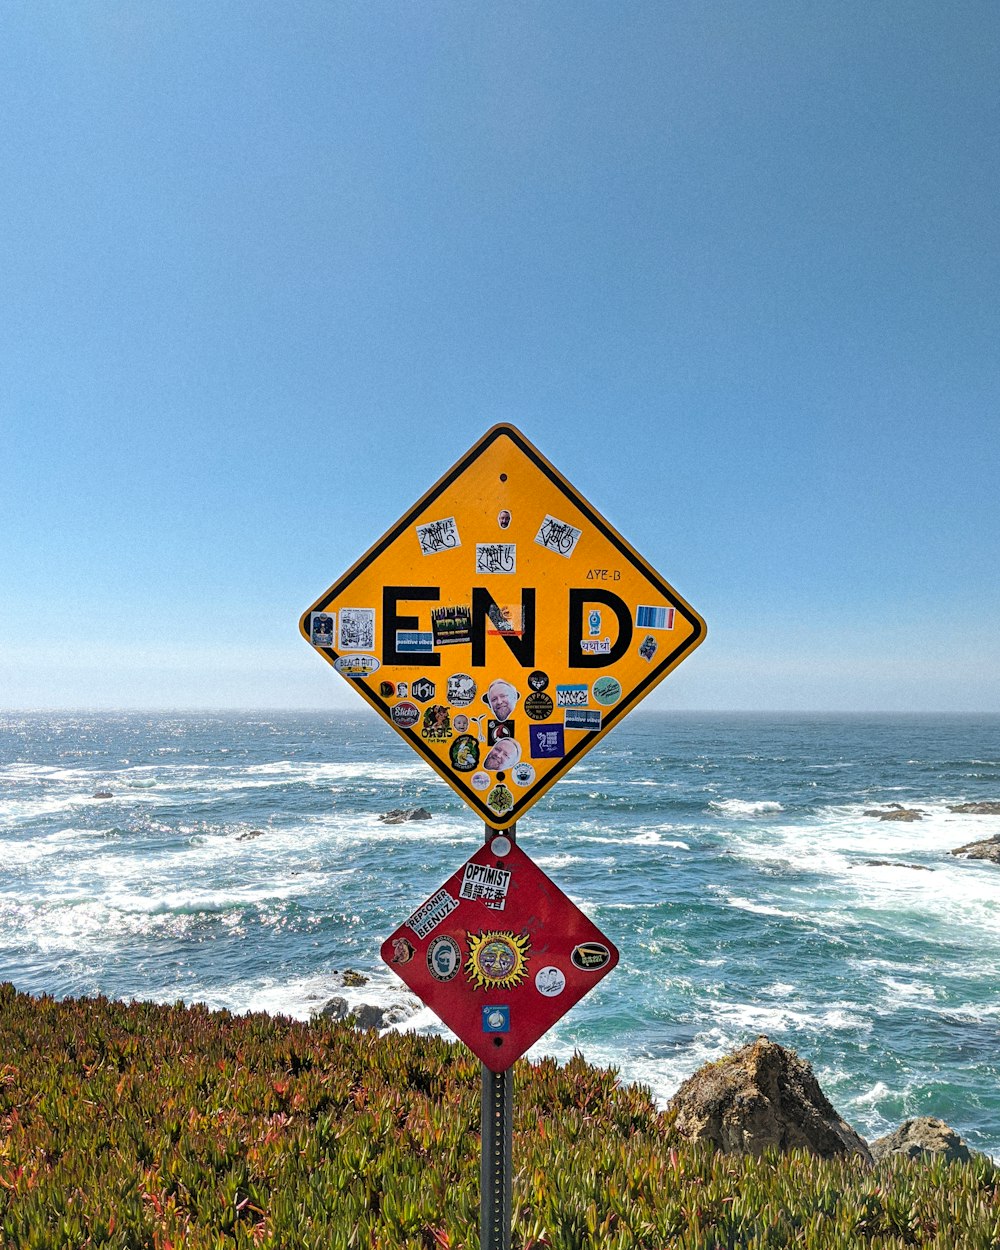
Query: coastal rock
point(976, 809)
point(252, 833)
point(351, 978)
point(335, 1008)
point(895, 812)
point(922, 1137)
point(372, 1016)
point(989, 849)
point(366, 1015)
point(103, 794)
point(891, 863)
point(762, 1096)
point(400, 814)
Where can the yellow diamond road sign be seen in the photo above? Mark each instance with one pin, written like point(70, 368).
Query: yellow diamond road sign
point(502, 626)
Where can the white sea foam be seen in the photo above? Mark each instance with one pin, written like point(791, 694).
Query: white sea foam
point(905, 993)
point(744, 1018)
point(746, 807)
point(654, 837)
point(763, 909)
point(872, 1096)
point(563, 859)
point(192, 901)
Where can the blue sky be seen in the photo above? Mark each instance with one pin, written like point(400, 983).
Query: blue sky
point(268, 270)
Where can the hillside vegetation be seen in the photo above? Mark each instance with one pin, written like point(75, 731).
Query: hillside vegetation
point(135, 1125)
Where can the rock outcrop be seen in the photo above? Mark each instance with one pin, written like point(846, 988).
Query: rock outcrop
point(894, 811)
point(763, 1096)
point(365, 1015)
point(891, 863)
point(988, 808)
point(989, 849)
point(400, 814)
point(922, 1138)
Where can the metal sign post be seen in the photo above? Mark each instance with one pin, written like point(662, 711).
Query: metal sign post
point(496, 1160)
point(495, 1194)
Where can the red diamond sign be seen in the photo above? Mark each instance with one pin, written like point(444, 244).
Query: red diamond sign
point(499, 953)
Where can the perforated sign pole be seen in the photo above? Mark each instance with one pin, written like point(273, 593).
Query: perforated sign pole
point(495, 1166)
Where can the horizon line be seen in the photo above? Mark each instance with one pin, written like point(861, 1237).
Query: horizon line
point(365, 710)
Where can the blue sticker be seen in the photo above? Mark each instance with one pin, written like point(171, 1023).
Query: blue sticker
point(572, 696)
point(582, 718)
point(412, 640)
point(496, 1019)
point(547, 742)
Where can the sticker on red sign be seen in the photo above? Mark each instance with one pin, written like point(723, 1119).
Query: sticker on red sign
point(499, 953)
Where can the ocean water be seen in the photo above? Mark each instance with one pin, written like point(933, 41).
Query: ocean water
point(241, 863)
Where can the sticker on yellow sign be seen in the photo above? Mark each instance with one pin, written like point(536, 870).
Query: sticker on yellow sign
point(502, 626)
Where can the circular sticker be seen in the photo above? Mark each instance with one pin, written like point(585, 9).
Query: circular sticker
point(405, 714)
point(460, 722)
point(606, 690)
point(504, 754)
point(500, 800)
point(550, 981)
point(461, 689)
point(444, 958)
point(464, 752)
point(522, 774)
point(538, 705)
point(538, 680)
point(500, 845)
point(480, 781)
point(387, 689)
point(497, 959)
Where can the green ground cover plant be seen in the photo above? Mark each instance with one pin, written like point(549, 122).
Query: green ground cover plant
point(145, 1127)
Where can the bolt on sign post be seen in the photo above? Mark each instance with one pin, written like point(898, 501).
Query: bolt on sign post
point(502, 626)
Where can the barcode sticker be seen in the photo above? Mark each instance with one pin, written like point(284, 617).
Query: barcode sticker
point(654, 618)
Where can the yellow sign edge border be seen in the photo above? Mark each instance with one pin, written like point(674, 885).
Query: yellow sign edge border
point(592, 737)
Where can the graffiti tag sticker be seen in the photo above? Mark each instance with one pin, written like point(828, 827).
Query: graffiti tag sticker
point(438, 536)
point(496, 558)
point(558, 536)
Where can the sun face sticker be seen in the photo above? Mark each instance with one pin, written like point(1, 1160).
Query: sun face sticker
point(497, 959)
